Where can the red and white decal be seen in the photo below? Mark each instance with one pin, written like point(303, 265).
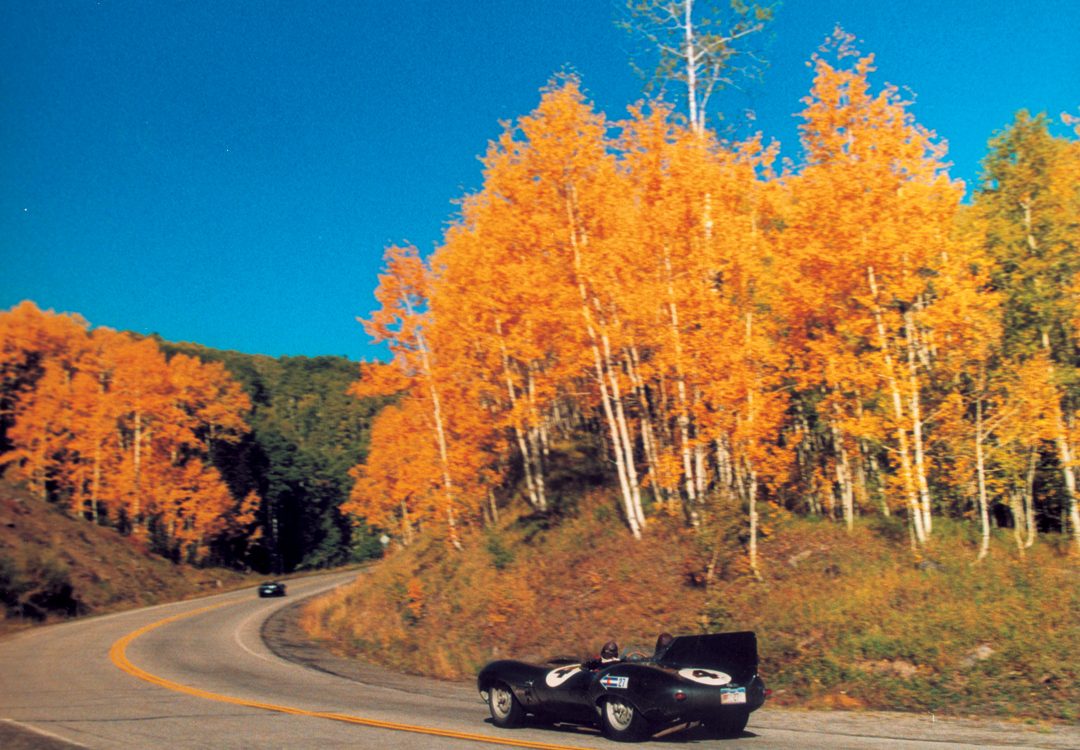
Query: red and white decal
point(705, 676)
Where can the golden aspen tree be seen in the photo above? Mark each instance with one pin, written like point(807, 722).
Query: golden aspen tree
point(399, 483)
point(142, 392)
point(555, 176)
point(869, 230)
point(400, 322)
point(39, 355)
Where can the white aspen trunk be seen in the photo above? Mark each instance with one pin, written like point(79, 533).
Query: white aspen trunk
point(747, 481)
point(95, 484)
point(1064, 454)
point(136, 505)
point(1029, 497)
point(980, 472)
point(537, 452)
point(648, 443)
point(1016, 505)
point(724, 473)
point(875, 467)
point(634, 506)
point(519, 436)
point(683, 415)
point(860, 489)
point(914, 509)
point(545, 440)
point(751, 474)
point(696, 118)
point(537, 441)
point(648, 436)
point(526, 465)
point(621, 464)
point(699, 469)
point(843, 477)
point(440, 433)
point(754, 526)
point(616, 444)
point(916, 424)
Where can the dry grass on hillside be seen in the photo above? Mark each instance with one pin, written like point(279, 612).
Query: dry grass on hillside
point(52, 566)
point(843, 620)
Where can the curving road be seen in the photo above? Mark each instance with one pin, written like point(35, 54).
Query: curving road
point(198, 674)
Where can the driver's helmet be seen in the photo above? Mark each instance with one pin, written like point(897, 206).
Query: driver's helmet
point(609, 651)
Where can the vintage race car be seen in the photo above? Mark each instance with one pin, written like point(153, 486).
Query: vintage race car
point(698, 679)
point(272, 588)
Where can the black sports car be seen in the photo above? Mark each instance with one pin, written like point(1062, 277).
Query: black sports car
point(707, 679)
point(272, 588)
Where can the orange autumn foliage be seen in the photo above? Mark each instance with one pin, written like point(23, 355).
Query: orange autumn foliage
point(734, 340)
point(104, 423)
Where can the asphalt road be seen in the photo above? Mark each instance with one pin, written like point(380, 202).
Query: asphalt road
point(200, 674)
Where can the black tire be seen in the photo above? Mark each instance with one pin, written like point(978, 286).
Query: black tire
point(622, 722)
point(506, 712)
point(730, 723)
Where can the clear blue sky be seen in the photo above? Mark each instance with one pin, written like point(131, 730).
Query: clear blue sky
point(229, 172)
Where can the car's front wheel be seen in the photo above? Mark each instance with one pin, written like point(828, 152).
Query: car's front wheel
point(506, 712)
point(622, 722)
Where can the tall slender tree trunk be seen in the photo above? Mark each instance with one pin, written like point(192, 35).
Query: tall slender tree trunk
point(844, 477)
point(95, 483)
point(1064, 453)
point(648, 434)
point(524, 443)
point(697, 123)
point(440, 433)
point(1029, 496)
point(635, 506)
point(1016, 505)
point(980, 473)
point(917, 423)
point(537, 439)
point(683, 413)
point(136, 506)
point(623, 462)
point(906, 469)
point(750, 472)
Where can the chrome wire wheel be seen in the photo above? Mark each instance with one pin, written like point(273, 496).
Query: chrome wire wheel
point(619, 715)
point(502, 702)
point(621, 722)
point(506, 712)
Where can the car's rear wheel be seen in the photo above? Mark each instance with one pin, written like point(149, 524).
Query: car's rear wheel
point(730, 723)
point(622, 722)
point(506, 712)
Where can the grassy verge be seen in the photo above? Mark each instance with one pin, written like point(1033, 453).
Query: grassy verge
point(54, 567)
point(844, 620)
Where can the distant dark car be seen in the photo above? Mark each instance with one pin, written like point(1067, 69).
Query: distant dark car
point(699, 679)
point(272, 588)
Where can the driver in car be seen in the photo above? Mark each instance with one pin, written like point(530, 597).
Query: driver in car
point(609, 652)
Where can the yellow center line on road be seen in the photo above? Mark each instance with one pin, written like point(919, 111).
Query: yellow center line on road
point(118, 655)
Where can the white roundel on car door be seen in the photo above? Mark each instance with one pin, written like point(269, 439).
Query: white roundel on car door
point(706, 676)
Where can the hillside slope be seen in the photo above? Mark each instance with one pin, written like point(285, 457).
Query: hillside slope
point(843, 620)
point(55, 566)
